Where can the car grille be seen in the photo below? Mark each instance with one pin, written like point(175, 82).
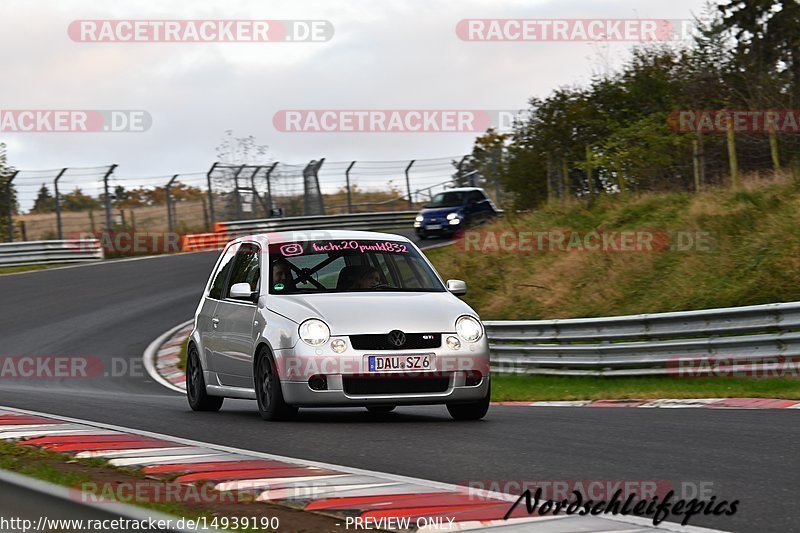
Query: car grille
point(380, 341)
point(360, 386)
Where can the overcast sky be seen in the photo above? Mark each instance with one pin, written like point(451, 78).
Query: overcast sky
point(401, 54)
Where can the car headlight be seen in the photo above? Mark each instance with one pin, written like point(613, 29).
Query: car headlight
point(419, 218)
point(452, 216)
point(314, 332)
point(469, 329)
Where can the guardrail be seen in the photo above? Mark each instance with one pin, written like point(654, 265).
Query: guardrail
point(49, 252)
point(758, 337)
point(355, 221)
point(226, 231)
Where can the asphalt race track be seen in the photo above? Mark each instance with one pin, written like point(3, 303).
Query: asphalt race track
point(113, 310)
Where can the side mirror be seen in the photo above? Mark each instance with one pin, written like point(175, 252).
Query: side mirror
point(457, 287)
point(241, 291)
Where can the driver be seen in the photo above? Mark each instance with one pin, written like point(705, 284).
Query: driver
point(359, 277)
point(368, 278)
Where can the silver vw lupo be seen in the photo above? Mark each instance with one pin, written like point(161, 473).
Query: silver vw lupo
point(335, 319)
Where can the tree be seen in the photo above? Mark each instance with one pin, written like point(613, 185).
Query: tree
point(45, 202)
point(766, 40)
point(5, 174)
point(77, 201)
point(487, 159)
point(240, 150)
point(120, 196)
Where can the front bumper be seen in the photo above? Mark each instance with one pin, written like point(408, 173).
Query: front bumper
point(299, 393)
point(437, 226)
point(451, 369)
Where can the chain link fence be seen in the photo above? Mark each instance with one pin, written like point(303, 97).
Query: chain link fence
point(73, 202)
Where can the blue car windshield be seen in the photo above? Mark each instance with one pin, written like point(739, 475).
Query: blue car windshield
point(324, 266)
point(448, 199)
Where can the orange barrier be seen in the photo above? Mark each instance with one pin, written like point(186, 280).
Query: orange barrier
point(195, 242)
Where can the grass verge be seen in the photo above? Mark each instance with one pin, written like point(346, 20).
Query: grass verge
point(508, 387)
point(720, 248)
point(127, 484)
point(29, 268)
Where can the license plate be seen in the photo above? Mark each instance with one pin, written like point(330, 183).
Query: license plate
point(399, 363)
point(433, 226)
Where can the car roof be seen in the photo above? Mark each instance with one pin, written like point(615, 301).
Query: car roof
point(321, 234)
point(463, 189)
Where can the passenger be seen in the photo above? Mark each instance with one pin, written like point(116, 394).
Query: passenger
point(282, 274)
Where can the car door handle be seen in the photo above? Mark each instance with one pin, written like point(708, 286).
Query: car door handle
point(215, 322)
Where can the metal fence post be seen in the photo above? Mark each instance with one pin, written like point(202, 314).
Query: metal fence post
point(321, 202)
point(349, 195)
point(107, 199)
point(58, 204)
point(269, 188)
point(236, 191)
point(168, 190)
point(408, 186)
point(312, 206)
point(256, 196)
point(210, 195)
point(733, 161)
point(10, 206)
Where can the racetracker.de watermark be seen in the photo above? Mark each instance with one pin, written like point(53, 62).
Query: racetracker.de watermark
point(738, 120)
point(594, 489)
point(48, 367)
point(735, 366)
point(74, 121)
point(582, 241)
point(148, 491)
point(200, 31)
point(574, 30)
point(126, 242)
point(393, 120)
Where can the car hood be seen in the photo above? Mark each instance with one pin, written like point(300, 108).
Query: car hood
point(356, 313)
point(441, 211)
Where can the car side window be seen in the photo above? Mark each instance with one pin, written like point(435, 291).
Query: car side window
point(476, 196)
point(221, 275)
point(246, 267)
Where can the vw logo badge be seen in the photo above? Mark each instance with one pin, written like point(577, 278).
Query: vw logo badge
point(397, 337)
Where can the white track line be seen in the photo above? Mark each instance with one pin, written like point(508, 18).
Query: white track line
point(446, 487)
point(149, 357)
point(107, 506)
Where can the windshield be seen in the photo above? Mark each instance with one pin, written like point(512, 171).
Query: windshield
point(349, 266)
point(447, 199)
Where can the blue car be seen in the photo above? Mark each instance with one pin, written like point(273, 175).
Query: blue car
point(452, 210)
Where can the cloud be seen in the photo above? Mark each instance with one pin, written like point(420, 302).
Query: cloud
point(384, 55)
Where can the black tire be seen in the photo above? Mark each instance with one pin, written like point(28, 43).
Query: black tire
point(378, 409)
point(472, 410)
point(199, 399)
point(271, 405)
